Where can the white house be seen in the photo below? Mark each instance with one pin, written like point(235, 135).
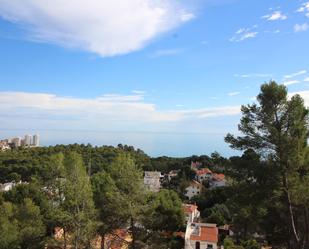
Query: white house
point(191, 212)
point(201, 236)
point(195, 188)
point(4, 145)
point(152, 180)
point(217, 180)
point(8, 186)
point(203, 174)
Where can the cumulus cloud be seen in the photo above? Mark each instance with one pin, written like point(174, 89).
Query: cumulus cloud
point(244, 34)
point(304, 9)
point(275, 16)
point(107, 110)
point(103, 27)
point(301, 27)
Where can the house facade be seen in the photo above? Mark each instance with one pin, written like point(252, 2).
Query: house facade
point(218, 180)
point(9, 185)
point(201, 236)
point(191, 212)
point(152, 180)
point(203, 174)
point(195, 188)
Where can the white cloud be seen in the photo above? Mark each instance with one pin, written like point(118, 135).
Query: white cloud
point(306, 79)
point(165, 52)
point(289, 76)
point(301, 27)
point(108, 111)
point(233, 93)
point(212, 112)
point(103, 27)
point(304, 8)
point(244, 34)
point(187, 17)
point(290, 82)
point(254, 75)
point(274, 16)
point(276, 31)
point(138, 92)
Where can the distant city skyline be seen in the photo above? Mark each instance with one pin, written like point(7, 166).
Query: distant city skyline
point(18, 141)
point(168, 79)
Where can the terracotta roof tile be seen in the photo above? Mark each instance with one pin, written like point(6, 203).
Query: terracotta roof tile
point(203, 171)
point(206, 233)
point(219, 177)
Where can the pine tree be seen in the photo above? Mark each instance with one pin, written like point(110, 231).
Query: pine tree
point(277, 129)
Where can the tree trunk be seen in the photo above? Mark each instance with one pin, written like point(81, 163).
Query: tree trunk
point(102, 241)
point(65, 238)
point(306, 236)
point(296, 238)
point(133, 233)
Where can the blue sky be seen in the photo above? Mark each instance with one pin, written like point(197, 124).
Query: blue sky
point(165, 76)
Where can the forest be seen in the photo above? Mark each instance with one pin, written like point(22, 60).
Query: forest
point(93, 190)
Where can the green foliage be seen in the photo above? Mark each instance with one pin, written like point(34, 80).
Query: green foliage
point(78, 201)
point(267, 192)
point(218, 214)
point(30, 223)
point(9, 235)
point(228, 243)
point(21, 226)
point(165, 212)
point(277, 130)
point(119, 195)
point(250, 244)
point(25, 163)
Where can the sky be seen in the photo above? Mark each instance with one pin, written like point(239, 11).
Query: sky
point(167, 77)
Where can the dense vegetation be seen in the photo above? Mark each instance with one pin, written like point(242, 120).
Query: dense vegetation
point(90, 190)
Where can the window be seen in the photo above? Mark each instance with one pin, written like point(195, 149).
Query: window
point(209, 246)
point(197, 245)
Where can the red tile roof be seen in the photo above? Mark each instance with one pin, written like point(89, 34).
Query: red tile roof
point(203, 171)
point(206, 233)
point(218, 177)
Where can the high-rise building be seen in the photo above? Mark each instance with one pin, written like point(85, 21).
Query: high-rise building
point(27, 140)
point(16, 141)
point(35, 140)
